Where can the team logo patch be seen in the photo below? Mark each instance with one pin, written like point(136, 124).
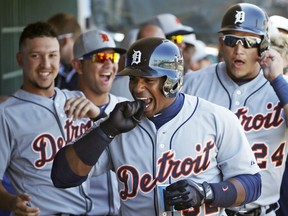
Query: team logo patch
point(136, 57)
point(239, 17)
point(104, 37)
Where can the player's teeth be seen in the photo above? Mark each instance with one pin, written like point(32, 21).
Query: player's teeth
point(44, 74)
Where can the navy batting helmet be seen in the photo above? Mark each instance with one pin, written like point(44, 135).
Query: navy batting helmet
point(245, 17)
point(156, 57)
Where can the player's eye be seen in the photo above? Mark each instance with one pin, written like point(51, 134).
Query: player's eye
point(34, 55)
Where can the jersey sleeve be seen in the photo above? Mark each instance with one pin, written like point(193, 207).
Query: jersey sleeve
point(5, 143)
point(235, 155)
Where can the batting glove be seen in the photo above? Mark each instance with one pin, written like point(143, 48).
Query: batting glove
point(124, 117)
point(187, 193)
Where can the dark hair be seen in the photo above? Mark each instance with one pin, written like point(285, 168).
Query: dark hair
point(37, 29)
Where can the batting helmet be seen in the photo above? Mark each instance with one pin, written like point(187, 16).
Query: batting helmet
point(156, 57)
point(245, 17)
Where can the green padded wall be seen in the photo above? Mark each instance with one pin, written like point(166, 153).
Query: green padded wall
point(14, 16)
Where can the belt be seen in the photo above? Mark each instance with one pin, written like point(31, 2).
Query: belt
point(253, 212)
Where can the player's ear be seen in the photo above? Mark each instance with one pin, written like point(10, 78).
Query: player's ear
point(77, 65)
point(19, 59)
point(220, 41)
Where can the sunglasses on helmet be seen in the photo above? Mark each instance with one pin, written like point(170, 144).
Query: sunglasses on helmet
point(102, 57)
point(246, 41)
point(177, 39)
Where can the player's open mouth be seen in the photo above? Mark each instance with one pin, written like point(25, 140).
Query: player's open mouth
point(238, 62)
point(106, 76)
point(147, 101)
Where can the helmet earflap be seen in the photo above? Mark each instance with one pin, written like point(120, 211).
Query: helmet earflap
point(170, 88)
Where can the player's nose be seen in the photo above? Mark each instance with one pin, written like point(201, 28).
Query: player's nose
point(137, 85)
point(45, 62)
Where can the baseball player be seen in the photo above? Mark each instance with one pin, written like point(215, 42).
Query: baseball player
point(250, 83)
point(36, 121)
point(96, 62)
point(165, 138)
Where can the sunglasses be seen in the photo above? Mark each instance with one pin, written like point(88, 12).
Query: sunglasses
point(177, 39)
point(102, 57)
point(246, 41)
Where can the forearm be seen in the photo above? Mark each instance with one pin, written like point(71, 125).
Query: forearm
point(280, 86)
point(73, 162)
point(237, 191)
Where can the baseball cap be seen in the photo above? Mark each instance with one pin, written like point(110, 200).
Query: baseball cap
point(279, 22)
point(190, 39)
point(171, 25)
point(94, 41)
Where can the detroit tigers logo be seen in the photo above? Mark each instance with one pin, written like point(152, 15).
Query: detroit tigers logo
point(104, 37)
point(239, 17)
point(136, 57)
point(168, 167)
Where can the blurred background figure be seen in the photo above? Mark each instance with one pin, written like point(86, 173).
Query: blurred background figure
point(280, 22)
point(188, 51)
point(150, 30)
point(68, 30)
point(279, 38)
point(172, 27)
point(201, 57)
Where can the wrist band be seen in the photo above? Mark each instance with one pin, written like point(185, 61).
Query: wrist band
point(280, 86)
point(225, 194)
point(91, 145)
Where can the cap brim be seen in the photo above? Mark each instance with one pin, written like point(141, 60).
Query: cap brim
point(130, 71)
point(183, 31)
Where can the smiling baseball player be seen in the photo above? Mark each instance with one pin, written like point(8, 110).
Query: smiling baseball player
point(36, 121)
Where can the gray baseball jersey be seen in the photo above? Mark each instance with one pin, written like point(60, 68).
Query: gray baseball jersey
point(198, 143)
point(257, 107)
point(103, 189)
point(33, 129)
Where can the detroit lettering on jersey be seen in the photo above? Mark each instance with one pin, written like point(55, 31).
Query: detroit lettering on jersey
point(256, 122)
point(168, 167)
point(46, 145)
point(271, 119)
